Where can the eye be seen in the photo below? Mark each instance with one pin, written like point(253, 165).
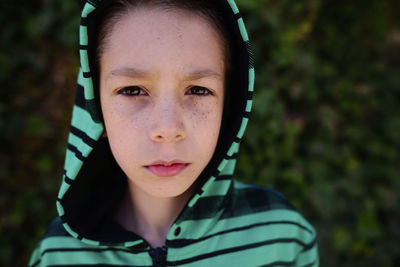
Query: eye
point(199, 90)
point(132, 91)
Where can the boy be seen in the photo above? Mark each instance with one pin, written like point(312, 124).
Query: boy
point(163, 99)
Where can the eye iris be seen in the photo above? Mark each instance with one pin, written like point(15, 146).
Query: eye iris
point(198, 90)
point(131, 91)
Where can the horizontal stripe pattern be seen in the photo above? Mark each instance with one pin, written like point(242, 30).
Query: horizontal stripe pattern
point(69, 251)
point(184, 242)
point(278, 220)
point(241, 253)
point(77, 153)
point(83, 136)
point(249, 242)
point(84, 21)
point(67, 180)
point(267, 226)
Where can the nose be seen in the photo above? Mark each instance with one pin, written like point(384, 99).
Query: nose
point(168, 124)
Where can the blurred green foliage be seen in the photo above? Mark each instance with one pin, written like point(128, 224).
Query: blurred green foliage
point(38, 65)
point(324, 131)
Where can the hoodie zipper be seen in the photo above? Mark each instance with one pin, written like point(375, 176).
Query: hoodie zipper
point(159, 256)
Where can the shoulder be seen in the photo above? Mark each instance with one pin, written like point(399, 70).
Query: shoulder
point(248, 198)
point(262, 204)
point(55, 240)
point(265, 215)
point(55, 229)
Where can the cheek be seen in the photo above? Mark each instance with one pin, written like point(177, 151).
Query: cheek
point(205, 120)
point(124, 107)
point(123, 123)
point(119, 114)
point(204, 110)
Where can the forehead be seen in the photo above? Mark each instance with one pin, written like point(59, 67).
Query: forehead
point(152, 36)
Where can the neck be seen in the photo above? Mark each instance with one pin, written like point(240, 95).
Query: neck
point(148, 216)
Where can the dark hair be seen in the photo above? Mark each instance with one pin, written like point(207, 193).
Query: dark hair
point(119, 8)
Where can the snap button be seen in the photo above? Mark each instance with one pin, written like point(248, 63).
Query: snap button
point(177, 231)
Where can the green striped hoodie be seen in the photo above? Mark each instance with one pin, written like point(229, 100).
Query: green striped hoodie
point(225, 223)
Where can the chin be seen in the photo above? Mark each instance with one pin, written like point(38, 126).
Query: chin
point(166, 187)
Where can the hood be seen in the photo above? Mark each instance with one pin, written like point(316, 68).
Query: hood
point(93, 183)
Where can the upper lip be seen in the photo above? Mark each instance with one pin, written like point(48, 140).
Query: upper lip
point(167, 163)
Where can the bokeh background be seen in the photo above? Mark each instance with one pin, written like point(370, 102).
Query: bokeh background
point(325, 129)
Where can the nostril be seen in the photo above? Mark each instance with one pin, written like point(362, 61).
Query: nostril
point(167, 133)
point(180, 137)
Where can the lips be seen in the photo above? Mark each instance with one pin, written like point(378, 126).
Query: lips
point(167, 169)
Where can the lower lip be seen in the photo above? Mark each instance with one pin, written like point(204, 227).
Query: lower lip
point(167, 171)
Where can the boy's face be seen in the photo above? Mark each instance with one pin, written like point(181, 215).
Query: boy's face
point(162, 79)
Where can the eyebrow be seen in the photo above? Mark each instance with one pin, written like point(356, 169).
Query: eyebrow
point(202, 73)
point(129, 72)
point(139, 73)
